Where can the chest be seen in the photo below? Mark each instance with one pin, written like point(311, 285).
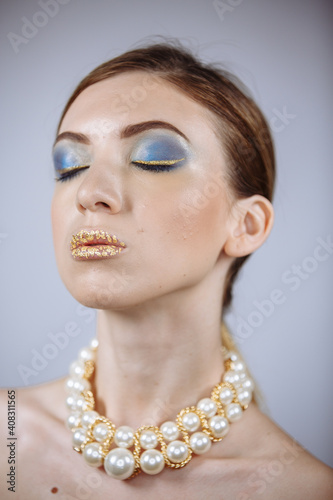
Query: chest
point(50, 469)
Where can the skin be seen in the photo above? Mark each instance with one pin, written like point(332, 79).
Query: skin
point(159, 308)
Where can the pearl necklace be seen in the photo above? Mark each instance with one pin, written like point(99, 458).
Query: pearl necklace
point(125, 452)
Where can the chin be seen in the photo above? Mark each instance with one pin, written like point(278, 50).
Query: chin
point(97, 298)
point(97, 287)
point(102, 297)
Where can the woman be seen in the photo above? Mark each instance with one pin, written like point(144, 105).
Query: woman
point(165, 173)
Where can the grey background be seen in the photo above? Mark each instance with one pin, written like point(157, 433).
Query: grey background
point(282, 51)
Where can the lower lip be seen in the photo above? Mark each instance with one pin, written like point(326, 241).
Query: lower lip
point(95, 252)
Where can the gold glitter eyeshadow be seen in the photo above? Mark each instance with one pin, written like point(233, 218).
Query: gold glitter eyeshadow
point(159, 162)
point(70, 169)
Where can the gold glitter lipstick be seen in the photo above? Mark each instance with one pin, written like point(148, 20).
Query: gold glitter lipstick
point(95, 244)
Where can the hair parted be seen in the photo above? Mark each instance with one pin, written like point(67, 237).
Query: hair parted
point(244, 131)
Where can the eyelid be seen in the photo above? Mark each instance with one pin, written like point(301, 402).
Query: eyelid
point(71, 169)
point(70, 172)
point(158, 162)
point(64, 149)
point(66, 156)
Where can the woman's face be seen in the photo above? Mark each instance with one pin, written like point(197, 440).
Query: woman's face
point(139, 160)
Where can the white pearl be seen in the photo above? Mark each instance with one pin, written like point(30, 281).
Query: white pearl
point(88, 418)
point(94, 344)
point(191, 421)
point(79, 437)
point(233, 356)
point(239, 366)
point(76, 369)
point(200, 443)
point(73, 420)
point(231, 376)
point(119, 463)
point(169, 431)
point(241, 377)
point(77, 385)
point(177, 451)
point(244, 396)
point(86, 354)
point(75, 402)
point(124, 436)
point(226, 395)
point(233, 412)
point(248, 384)
point(152, 462)
point(207, 406)
point(219, 426)
point(101, 432)
point(148, 440)
point(92, 455)
point(71, 402)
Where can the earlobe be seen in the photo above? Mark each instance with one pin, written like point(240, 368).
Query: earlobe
point(252, 221)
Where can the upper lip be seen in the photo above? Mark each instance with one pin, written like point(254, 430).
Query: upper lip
point(87, 237)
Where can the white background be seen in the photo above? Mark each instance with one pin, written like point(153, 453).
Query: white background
point(282, 51)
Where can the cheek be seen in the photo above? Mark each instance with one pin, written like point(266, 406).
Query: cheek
point(201, 216)
point(190, 225)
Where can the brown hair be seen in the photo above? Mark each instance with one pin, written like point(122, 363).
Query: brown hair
point(244, 131)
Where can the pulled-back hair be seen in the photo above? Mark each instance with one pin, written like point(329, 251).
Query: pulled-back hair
point(244, 132)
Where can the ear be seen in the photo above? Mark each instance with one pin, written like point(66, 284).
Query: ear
point(251, 222)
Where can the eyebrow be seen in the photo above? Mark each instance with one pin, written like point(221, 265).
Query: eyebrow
point(73, 136)
point(137, 128)
point(128, 131)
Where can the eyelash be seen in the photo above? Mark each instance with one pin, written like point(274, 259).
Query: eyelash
point(77, 169)
point(153, 167)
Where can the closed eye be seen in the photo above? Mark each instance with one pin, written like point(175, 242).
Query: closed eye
point(68, 173)
point(157, 165)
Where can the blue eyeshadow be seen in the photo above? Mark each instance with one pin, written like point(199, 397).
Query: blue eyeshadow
point(65, 156)
point(159, 147)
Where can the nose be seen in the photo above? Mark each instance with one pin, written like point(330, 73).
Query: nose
point(99, 190)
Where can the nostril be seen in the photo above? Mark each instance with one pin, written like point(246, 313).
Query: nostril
point(102, 205)
point(93, 197)
point(99, 205)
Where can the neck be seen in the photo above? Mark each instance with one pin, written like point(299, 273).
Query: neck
point(158, 358)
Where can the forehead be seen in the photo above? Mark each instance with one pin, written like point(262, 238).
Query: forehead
point(133, 97)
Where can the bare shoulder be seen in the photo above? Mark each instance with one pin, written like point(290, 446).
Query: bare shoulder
point(26, 417)
point(40, 433)
point(42, 396)
point(39, 408)
point(270, 464)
